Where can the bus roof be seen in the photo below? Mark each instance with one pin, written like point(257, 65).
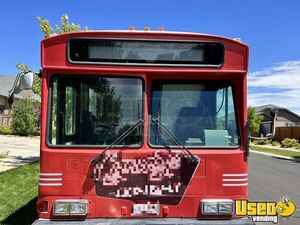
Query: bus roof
point(92, 33)
point(54, 48)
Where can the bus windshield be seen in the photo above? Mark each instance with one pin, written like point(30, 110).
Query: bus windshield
point(198, 113)
point(96, 110)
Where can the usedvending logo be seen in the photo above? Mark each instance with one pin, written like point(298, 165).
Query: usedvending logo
point(265, 211)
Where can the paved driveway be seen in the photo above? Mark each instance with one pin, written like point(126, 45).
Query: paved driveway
point(20, 150)
point(272, 178)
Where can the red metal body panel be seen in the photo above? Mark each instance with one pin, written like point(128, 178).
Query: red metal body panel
point(72, 165)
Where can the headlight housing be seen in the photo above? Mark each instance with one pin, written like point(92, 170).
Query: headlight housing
point(70, 207)
point(225, 208)
point(217, 207)
point(209, 208)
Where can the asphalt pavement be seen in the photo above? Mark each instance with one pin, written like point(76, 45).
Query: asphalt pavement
point(270, 179)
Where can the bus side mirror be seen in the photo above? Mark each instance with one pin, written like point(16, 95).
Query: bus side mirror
point(23, 81)
point(26, 81)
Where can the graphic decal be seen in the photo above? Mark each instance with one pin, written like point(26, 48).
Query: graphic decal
point(265, 211)
point(162, 177)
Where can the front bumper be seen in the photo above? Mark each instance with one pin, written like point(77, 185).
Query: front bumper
point(160, 221)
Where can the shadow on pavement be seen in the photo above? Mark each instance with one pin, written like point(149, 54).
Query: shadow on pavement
point(296, 159)
point(28, 159)
point(19, 160)
point(23, 216)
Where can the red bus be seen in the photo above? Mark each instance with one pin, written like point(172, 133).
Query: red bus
point(142, 127)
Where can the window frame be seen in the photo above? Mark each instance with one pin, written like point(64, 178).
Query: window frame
point(192, 81)
point(146, 64)
point(49, 113)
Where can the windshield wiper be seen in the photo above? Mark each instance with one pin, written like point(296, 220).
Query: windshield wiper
point(118, 140)
point(174, 139)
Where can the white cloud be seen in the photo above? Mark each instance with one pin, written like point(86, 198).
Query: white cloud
point(278, 85)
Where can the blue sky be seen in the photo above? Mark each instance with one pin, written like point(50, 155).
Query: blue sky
point(270, 28)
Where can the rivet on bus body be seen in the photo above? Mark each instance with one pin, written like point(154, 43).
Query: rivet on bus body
point(123, 211)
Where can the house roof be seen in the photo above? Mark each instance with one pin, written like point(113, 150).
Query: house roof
point(6, 83)
point(262, 109)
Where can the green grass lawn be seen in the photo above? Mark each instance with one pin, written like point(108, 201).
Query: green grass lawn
point(18, 195)
point(284, 152)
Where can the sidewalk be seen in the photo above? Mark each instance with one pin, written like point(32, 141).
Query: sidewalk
point(276, 156)
point(21, 150)
point(276, 147)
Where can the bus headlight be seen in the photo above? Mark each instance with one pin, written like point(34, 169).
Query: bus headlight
point(78, 208)
point(217, 206)
point(225, 208)
point(210, 208)
point(70, 207)
point(61, 208)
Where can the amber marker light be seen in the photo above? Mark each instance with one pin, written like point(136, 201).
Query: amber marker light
point(131, 28)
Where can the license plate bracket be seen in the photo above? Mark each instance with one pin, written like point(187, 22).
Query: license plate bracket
point(145, 208)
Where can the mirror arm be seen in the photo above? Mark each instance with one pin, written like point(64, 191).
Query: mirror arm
point(39, 74)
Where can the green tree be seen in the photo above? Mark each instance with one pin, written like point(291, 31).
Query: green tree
point(26, 114)
point(25, 118)
point(37, 86)
point(253, 119)
point(65, 26)
point(22, 67)
point(45, 27)
point(47, 31)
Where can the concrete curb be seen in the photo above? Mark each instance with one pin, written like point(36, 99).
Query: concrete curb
point(276, 156)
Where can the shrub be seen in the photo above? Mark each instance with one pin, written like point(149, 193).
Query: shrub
point(5, 130)
point(289, 143)
point(261, 142)
point(3, 154)
point(275, 143)
point(25, 118)
point(297, 146)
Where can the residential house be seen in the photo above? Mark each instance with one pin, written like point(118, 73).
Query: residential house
point(275, 117)
point(6, 83)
